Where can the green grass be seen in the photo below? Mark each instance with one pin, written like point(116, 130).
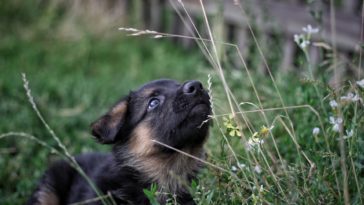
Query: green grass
point(75, 80)
point(73, 83)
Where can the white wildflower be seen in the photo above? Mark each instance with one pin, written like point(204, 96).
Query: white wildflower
point(248, 147)
point(333, 104)
point(241, 165)
point(336, 128)
point(238, 165)
point(356, 98)
point(337, 120)
point(350, 97)
point(301, 40)
point(258, 169)
point(261, 189)
point(347, 98)
point(336, 123)
point(349, 133)
point(360, 83)
point(310, 30)
point(253, 143)
point(304, 44)
point(297, 38)
point(316, 131)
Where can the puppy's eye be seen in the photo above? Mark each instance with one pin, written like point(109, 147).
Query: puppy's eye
point(153, 103)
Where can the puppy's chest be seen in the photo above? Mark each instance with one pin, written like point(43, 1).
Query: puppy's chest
point(123, 182)
point(171, 173)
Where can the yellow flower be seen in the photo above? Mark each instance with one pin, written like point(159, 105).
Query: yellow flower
point(265, 131)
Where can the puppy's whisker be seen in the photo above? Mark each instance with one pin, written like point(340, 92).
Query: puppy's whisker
point(210, 117)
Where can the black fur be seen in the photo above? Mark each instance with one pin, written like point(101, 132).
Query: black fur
point(136, 161)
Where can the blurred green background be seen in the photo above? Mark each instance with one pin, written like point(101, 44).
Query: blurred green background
point(78, 67)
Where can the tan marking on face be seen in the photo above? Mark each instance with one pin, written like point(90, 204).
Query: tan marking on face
point(148, 92)
point(140, 143)
point(169, 170)
point(46, 197)
point(117, 113)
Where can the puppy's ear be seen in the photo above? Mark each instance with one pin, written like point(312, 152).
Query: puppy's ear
point(107, 127)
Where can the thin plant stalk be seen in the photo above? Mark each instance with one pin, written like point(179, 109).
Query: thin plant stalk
point(204, 48)
point(310, 70)
point(341, 138)
point(52, 150)
point(56, 138)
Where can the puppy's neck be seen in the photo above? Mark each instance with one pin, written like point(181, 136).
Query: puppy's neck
point(172, 171)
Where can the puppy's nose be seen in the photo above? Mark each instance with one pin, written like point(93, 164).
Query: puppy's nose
point(192, 87)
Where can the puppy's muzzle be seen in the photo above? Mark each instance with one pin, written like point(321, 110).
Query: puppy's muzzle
point(192, 87)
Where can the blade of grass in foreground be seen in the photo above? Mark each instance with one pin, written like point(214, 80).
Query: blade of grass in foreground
point(69, 158)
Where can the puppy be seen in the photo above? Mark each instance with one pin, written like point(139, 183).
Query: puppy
point(165, 111)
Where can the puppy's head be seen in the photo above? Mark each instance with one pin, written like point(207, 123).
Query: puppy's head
point(162, 110)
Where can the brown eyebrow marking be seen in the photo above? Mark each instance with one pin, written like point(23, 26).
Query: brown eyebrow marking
point(147, 92)
point(151, 92)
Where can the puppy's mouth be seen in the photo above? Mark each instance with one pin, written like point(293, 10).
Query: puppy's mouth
point(192, 110)
point(201, 109)
point(198, 114)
